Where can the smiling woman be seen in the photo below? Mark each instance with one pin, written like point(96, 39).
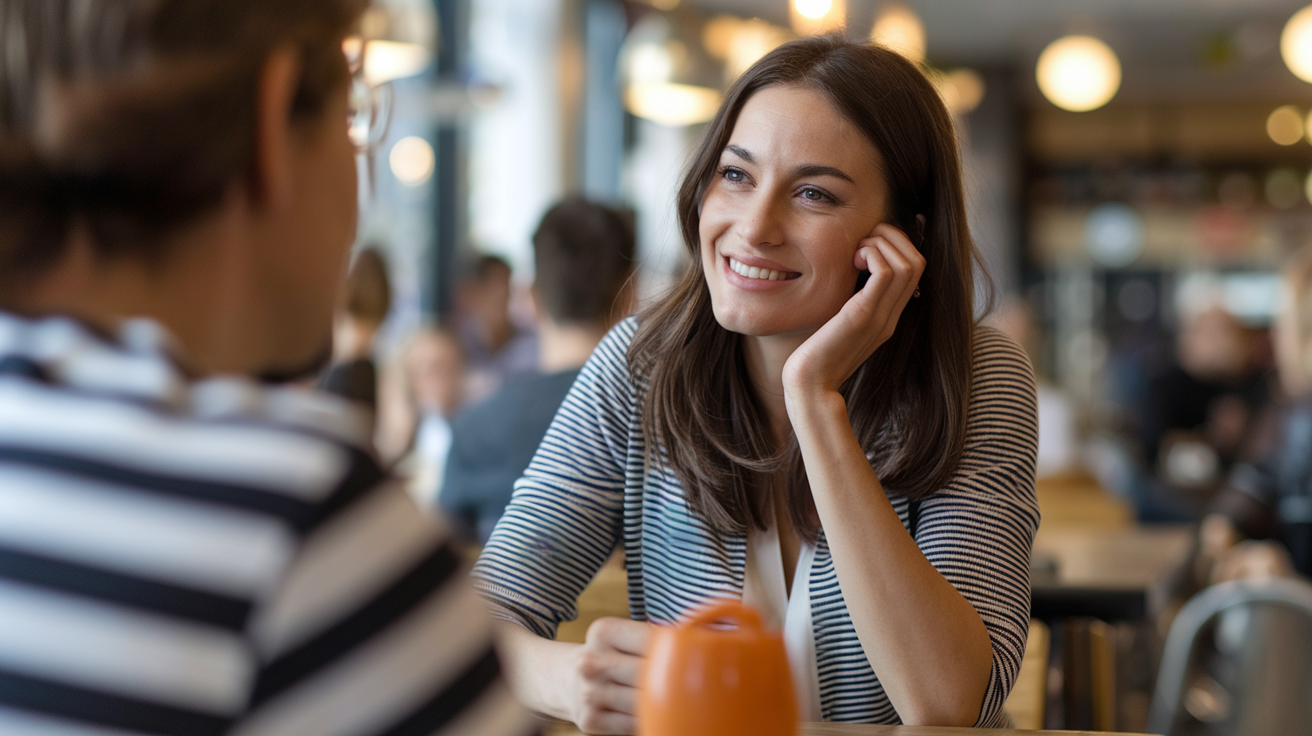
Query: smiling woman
point(812, 422)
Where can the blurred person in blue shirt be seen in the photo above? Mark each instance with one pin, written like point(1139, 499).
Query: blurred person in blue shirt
point(584, 255)
point(495, 345)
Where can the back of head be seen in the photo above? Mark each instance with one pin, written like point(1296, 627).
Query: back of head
point(129, 118)
point(584, 255)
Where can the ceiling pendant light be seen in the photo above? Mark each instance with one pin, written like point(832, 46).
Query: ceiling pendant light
point(1078, 73)
point(1296, 44)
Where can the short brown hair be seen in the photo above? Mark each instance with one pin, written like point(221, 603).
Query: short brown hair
point(908, 401)
point(131, 117)
point(583, 253)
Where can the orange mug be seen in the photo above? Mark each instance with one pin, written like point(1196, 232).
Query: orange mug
point(705, 680)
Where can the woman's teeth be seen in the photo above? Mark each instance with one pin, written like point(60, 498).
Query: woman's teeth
point(764, 274)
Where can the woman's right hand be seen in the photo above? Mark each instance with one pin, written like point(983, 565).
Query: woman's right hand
point(602, 674)
point(594, 684)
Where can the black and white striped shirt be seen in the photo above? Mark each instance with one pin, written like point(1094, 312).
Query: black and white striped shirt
point(590, 487)
point(216, 557)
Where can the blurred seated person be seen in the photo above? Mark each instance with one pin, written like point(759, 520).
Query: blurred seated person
point(365, 302)
point(583, 254)
point(1269, 496)
point(495, 346)
point(1198, 414)
point(433, 367)
point(186, 546)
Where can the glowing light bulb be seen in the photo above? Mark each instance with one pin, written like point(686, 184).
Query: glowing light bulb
point(1296, 44)
point(900, 29)
point(814, 9)
point(1078, 73)
point(412, 161)
point(810, 17)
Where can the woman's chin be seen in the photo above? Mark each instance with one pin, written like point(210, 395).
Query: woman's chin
point(762, 325)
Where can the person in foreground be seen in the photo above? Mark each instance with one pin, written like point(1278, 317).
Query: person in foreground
point(184, 550)
point(583, 257)
point(811, 421)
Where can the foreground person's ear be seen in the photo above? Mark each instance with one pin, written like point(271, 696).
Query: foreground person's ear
point(271, 166)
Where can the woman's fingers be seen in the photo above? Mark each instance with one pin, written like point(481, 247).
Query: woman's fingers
point(608, 722)
point(630, 637)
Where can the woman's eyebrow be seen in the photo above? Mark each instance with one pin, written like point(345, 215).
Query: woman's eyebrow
point(741, 153)
point(819, 170)
point(801, 171)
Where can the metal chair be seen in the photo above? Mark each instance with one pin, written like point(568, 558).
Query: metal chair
point(1292, 595)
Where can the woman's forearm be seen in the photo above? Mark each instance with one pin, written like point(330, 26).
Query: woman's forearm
point(925, 641)
point(533, 667)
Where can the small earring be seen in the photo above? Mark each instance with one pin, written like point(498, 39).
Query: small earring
point(916, 294)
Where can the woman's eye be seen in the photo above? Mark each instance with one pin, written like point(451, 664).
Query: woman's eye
point(814, 195)
point(732, 174)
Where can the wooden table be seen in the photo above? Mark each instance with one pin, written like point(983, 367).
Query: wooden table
point(1103, 573)
point(834, 729)
point(1105, 564)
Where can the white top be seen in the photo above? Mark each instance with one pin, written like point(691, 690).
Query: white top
point(764, 590)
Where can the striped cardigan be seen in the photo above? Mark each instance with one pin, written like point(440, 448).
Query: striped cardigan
point(589, 487)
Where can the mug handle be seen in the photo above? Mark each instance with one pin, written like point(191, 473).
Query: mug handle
point(744, 616)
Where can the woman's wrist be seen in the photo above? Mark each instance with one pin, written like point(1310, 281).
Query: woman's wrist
point(806, 401)
point(534, 668)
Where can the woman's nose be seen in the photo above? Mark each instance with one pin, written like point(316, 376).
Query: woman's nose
point(761, 221)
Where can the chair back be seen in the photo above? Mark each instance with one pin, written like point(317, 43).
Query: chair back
point(1294, 596)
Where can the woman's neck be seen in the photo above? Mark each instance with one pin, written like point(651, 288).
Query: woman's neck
point(765, 357)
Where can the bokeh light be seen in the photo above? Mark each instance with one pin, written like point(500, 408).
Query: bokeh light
point(812, 17)
point(1078, 73)
point(672, 104)
point(412, 161)
point(1285, 125)
point(813, 9)
point(1296, 44)
point(900, 29)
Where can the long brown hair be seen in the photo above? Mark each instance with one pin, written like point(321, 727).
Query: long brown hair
point(908, 401)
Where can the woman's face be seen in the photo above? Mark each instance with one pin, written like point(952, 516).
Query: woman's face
point(797, 188)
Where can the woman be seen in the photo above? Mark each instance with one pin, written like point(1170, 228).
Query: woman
point(783, 417)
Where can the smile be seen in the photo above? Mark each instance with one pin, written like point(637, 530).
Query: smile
point(761, 274)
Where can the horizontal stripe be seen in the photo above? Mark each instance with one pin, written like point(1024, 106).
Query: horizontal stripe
point(592, 484)
point(60, 514)
point(123, 651)
point(294, 513)
point(200, 607)
point(102, 709)
point(138, 439)
point(394, 602)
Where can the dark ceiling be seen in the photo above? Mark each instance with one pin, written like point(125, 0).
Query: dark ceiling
point(1170, 50)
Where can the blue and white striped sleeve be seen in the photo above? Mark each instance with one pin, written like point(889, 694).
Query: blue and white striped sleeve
point(565, 517)
point(978, 530)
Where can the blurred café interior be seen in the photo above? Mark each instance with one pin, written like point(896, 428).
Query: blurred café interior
point(1138, 173)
